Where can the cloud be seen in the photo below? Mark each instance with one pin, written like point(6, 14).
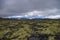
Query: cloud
point(53, 16)
point(48, 13)
point(28, 7)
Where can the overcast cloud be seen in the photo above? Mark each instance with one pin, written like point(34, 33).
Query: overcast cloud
point(29, 7)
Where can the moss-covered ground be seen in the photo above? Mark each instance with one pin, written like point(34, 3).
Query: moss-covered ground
point(29, 29)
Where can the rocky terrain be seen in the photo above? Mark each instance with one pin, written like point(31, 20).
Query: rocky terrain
point(29, 29)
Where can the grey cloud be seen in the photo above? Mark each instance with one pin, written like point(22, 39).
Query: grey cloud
point(19, 7)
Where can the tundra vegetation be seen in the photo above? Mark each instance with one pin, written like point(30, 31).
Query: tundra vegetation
point(29, 29)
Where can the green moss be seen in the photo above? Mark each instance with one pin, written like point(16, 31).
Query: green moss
point(22, 29)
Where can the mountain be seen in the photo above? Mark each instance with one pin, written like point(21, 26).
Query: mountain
point(25, 18)
point(32, 17)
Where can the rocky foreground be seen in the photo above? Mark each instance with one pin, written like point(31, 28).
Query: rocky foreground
point(29, 29)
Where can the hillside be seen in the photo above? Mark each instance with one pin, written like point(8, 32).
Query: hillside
point(29, 29)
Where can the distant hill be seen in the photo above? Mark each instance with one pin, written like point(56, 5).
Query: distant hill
point(25, 18)
point(3, 18)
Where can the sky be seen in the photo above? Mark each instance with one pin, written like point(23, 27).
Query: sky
point(30, 8)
